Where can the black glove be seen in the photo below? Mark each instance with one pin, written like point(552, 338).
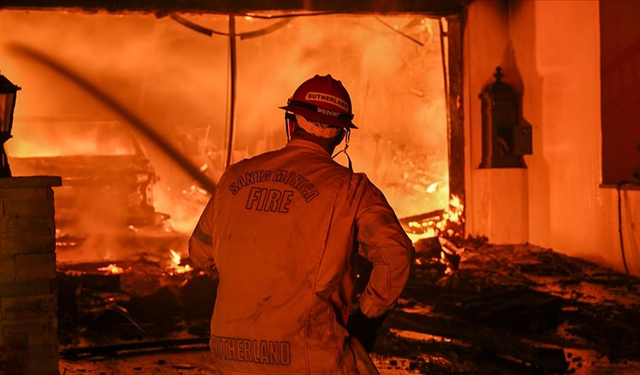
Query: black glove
point(365, 329)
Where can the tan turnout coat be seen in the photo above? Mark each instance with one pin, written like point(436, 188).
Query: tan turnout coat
point(282, 229)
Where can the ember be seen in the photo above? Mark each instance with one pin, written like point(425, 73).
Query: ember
point(112, 268)
point(446, 223)
point(176, 265)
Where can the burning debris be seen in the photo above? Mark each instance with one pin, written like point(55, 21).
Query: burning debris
point(177, 267)
point(146, 299)
point(111, 269)
point(504, 309)
point(434, 235)
point(438, 254)
point(447, 223)
point(107, 192)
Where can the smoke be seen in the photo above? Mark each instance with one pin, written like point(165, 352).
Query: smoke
point(177, 80)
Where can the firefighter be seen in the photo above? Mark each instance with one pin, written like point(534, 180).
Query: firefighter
point(282, 230)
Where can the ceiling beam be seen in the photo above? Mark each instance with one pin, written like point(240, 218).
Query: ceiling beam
point(163, 7)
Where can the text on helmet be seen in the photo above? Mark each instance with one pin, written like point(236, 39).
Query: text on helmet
point(318, 96)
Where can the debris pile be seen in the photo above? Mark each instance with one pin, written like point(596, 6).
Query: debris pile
point(469, 307)
point(515, 309)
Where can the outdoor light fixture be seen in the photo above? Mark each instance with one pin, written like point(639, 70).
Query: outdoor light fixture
point(504, 136)
point(7, 103)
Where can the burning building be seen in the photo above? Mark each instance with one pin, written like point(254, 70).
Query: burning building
point(196, 85)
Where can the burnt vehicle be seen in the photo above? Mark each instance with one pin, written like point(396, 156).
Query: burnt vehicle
point(107, 181)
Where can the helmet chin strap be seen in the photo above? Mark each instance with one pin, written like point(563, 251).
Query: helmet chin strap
point(292, 117)
point(347, 137)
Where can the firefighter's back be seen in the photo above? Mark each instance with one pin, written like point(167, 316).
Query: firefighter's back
point(274, 214)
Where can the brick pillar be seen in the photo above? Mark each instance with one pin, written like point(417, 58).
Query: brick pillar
point(28, 293)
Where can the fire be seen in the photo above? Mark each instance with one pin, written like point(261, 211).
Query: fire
point(39, 138)
point(176, 259)
point(61, 244)
point(432, 187)
point(112, 269)
point(455, 211)
point(446, 224)
point(404, 164)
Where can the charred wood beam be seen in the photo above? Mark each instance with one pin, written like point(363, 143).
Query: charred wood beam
point(455, 28)
point(433, 215)
point(164, 7)
point(490, 340)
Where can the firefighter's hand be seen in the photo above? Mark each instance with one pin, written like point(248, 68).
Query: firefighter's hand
point(364, 329)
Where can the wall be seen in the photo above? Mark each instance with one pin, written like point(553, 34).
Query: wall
point(620, 71)
point(551, 52)
point(497, 204)
point(28, 303)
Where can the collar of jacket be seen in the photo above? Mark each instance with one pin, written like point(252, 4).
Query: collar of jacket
point(307, 144)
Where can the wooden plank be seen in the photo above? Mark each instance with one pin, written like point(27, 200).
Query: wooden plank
point(455, 30)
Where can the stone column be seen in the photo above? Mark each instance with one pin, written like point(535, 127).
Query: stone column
point(28, 292)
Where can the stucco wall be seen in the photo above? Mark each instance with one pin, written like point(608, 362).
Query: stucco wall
point(497, 204)
point(550, 51)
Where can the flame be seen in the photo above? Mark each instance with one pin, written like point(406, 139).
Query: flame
point(452, 217)
point(39, 138)
point(400, 161)
point(112, 269)
point(175, 257)
point(175, 266)
point(66, 243)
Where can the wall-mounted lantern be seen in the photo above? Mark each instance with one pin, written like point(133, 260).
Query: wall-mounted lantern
point(7, 104)
point(504, 136)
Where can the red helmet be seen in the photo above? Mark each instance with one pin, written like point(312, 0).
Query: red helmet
point(322, 99)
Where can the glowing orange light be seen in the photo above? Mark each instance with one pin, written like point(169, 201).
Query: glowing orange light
point(175, 265)
point(432, 228)
point(175, 257)
point(112, 269)
point(66, 243)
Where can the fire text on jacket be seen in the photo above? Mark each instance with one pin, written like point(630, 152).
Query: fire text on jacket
point(250, 350)
point(297, 181)
point(273, 200)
